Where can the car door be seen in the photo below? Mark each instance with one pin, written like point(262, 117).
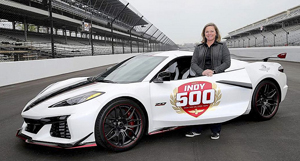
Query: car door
point(200, 100)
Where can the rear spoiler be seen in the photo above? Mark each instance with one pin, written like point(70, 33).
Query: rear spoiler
point(281, 56)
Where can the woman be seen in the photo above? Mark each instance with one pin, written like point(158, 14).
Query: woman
point(209, 58)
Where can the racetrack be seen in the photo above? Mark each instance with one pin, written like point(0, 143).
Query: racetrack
point(241, 139)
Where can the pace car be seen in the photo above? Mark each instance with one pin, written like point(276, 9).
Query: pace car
point(148, 94)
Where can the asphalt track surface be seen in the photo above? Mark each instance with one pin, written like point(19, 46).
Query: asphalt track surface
point(242, 139)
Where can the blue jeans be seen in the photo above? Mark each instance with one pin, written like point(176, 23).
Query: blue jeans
point(215, 128)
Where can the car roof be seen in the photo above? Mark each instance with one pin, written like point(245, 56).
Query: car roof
point(235, 64)
point(175, 53)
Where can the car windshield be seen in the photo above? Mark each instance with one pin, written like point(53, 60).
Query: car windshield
point(131, 70)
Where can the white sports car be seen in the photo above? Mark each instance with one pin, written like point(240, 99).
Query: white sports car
point(149, 93)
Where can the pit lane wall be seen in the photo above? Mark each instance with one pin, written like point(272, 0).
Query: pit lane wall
point(23, 71)
point(293, 52)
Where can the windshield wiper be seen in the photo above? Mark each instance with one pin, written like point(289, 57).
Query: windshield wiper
point(105, 81)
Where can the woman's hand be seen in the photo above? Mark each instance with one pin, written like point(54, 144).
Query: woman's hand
point(208, 72)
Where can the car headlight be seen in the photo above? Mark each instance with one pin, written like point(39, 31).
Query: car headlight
point(77, 99)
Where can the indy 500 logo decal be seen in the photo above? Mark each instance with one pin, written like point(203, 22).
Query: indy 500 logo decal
point(195, 98)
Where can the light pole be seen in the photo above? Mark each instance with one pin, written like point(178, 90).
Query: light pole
point(274, 36)
point(51, 31)
point(111, 28)
point(287, 37)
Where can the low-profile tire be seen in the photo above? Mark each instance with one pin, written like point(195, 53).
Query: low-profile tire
point(120, 125)
point(265, 100)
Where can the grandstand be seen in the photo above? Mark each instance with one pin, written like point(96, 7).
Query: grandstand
point(38, 29)
point(282, 29)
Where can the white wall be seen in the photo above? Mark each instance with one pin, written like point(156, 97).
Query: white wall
point(23, 71)
point(293, 52)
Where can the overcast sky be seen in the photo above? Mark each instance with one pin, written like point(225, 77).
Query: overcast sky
point(183, 20)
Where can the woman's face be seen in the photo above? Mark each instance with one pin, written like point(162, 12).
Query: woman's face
point(210, 33)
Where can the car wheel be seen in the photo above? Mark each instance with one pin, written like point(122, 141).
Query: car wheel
point(120, 125)
point(265, 100)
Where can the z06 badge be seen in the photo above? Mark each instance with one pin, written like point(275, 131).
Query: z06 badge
point(194, 98)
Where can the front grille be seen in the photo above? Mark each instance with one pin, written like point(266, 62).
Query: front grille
point(59, 127)
point(60, 130)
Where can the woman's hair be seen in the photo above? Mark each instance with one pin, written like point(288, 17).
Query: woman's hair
point(218, 36)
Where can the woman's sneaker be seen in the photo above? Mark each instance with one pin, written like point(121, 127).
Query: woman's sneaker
point(215, 136)
point(192, 134)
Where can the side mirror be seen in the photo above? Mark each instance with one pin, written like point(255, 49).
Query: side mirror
point(161, 76)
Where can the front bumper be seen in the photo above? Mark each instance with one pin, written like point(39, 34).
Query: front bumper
point(76, 144)
point(64, 131)
point(61, 127)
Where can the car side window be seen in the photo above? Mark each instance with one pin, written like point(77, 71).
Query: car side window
point(178, 68)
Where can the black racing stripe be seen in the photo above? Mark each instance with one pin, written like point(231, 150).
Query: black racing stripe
point(41, 99)
point(239, 84)
point(234, 70)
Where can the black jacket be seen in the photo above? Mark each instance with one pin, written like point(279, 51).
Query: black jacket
point(220, 58)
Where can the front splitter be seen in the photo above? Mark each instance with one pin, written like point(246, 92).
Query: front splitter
point(77, 144)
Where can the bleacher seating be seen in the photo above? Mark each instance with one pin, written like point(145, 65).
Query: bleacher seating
point(78, 10)
point(281, 38)
point(270, 20)
point(70, 46)
point(68, 14)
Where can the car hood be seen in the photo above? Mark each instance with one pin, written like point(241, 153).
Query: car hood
point(61, 85)
point(66, 89)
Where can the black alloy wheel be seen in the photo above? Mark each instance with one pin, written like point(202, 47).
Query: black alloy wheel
point(265, 100)
point(120, 125)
